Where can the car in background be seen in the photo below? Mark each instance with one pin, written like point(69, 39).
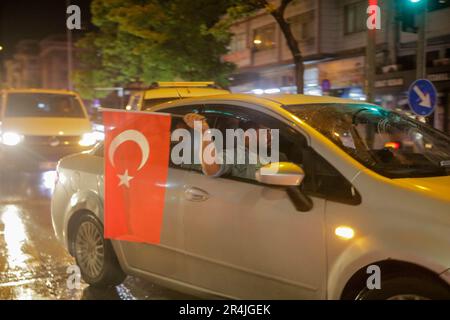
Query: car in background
point(161, 92)
point(40, 126)
point(366, 195)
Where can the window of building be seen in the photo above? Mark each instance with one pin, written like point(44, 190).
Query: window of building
point(355, 17)
point(407, 62)
point(438, 5)
point(431, 56)
point(302, 26)
point(238, 42)
point(264, 38)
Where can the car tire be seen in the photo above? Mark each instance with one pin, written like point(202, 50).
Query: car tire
point(407, 288)
point(95, 255)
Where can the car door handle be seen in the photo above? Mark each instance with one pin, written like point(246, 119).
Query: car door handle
point(196, 194)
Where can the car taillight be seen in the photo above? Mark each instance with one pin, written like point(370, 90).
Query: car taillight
point(392, 145)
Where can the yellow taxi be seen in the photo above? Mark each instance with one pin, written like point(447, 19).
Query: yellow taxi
point(161, 92)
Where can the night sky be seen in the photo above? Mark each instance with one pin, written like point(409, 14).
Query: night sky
point(34, 19)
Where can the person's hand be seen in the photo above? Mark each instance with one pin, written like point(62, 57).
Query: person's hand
point(191, 118)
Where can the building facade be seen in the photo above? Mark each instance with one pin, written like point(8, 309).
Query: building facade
point(38, 64)
point(332, 36)
point(23, 69)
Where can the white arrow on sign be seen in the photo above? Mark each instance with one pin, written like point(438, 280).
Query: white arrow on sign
point(424, 98)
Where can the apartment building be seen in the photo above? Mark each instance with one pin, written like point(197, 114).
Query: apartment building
point(332, 35)
point(23, 69)
point(38, 64)
point(53, 61)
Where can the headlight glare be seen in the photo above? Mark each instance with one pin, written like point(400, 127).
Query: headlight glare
point(11, 138)
point(87, 140)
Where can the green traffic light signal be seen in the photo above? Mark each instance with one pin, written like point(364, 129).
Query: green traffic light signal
point(407, 11)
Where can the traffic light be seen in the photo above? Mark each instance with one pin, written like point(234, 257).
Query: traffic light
point(407, 10)
point(406, 13)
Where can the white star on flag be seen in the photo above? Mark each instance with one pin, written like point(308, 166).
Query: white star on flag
point(125, 179)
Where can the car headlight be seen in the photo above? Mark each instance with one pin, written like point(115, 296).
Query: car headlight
point(87, 140)
point(11, 138)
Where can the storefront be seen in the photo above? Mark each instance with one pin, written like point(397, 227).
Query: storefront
point(391, 92)
point(343, 78)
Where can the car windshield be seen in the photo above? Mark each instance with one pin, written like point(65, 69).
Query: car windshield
point(384, 141)
point(43, 105)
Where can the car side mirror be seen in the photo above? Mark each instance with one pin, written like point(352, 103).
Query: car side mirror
point(289, 175)
point(281, 174)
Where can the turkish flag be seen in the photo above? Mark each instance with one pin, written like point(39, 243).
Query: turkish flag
point(136, 167)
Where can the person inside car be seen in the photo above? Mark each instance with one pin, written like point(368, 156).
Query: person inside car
point(244, 168)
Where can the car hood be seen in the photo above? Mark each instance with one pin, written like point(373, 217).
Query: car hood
point(47, 126)
point(435, 187)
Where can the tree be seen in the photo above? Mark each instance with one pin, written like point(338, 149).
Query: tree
point(152, 40)
point(239, 9)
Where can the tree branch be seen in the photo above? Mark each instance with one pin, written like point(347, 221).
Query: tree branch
point(282, 8)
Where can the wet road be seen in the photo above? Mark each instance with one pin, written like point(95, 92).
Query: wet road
point(33, 264)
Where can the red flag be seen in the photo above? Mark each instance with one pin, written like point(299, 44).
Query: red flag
point(136, 167)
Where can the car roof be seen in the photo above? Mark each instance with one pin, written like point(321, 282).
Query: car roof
point(279, 99)
point(182, 92)
point(293, 99)
point(32, 90)
point(184, 84)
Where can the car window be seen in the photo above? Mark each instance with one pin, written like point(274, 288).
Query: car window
point(134, 102)
point(182, 158)
point(324, 181)
point(150, 103)
point(178, 160)
point(43, 105)
point(182, 110)
point(321, 178)
point(384, 141)
point(223, 118)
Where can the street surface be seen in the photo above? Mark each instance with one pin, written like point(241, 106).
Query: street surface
point(32, 262)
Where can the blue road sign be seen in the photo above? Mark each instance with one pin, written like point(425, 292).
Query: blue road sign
point(422, 97)
point(326, 85)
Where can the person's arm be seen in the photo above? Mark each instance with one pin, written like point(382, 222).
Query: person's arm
point(208, 169)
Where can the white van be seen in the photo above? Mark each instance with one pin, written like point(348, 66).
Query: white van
point(39, 126)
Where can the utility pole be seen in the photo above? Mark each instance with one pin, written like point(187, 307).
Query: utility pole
point(421, 63)
point(421, 56)
point(1, 76)
point(69, 54)
point(370, 67)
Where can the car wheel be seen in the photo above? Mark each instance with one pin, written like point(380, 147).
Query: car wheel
point(407, 288)
point(95, 255)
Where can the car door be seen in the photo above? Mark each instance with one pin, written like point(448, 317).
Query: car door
point(247, 240)
point(166, 258)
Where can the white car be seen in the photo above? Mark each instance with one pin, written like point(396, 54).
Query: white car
point(374, 202)
point(39, 126)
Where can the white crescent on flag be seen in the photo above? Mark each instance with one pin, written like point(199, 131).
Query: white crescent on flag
point(134, 136)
